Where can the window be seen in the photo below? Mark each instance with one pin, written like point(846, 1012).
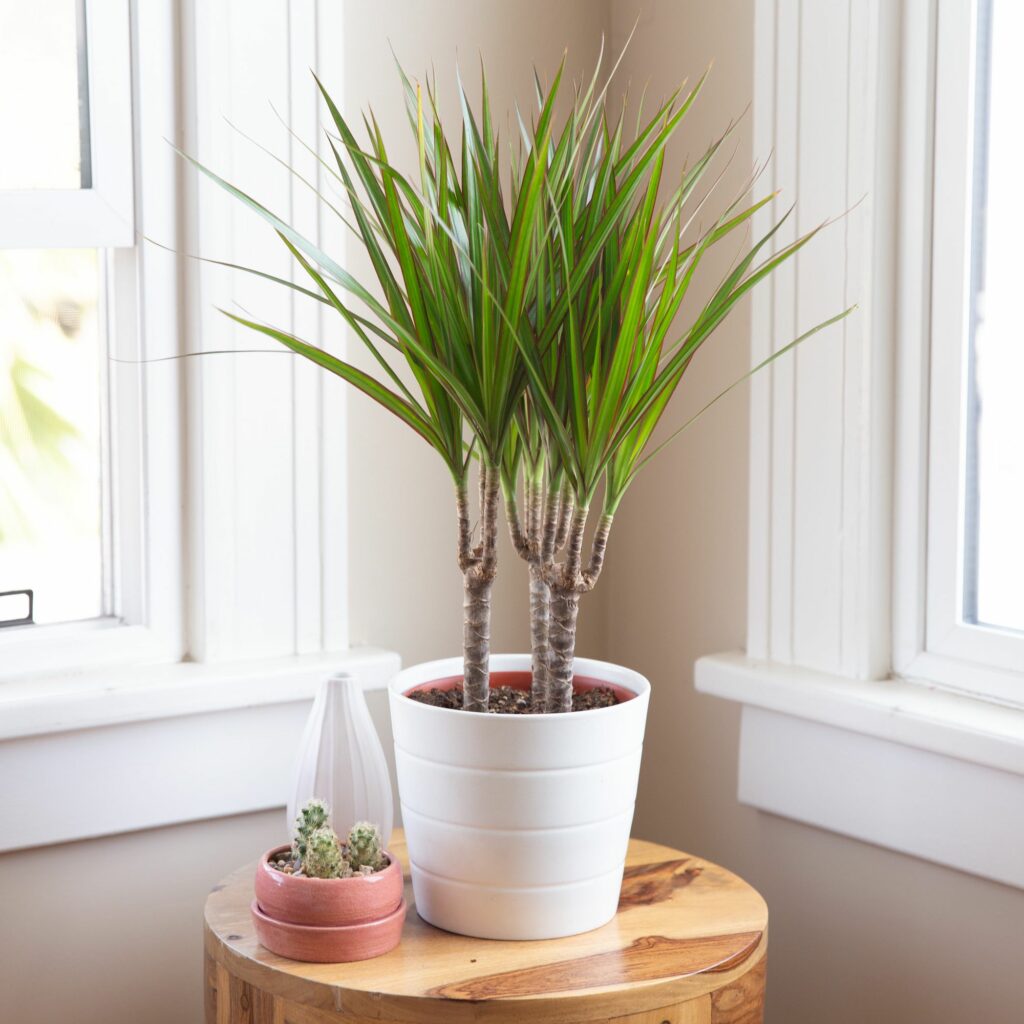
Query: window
point(51, 451)
point(75, 452)
point(65, 119)
point(185, 474)
point(972, 597)
point(65, 111)
point(44, 63)
point(993, 590)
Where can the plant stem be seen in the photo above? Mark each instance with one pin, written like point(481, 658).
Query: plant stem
point(597, 550)
point(565, 603)
point(550, 532)
point(575, 549)
point(540, 619)
point(476, 641)
point(519, 534)
point(479, 567)
point(567, 584)
point(489, 486)
point(564, 518)
point(528, 542)
point(465, 531)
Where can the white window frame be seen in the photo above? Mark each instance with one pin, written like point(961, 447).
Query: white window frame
point(227, 475)
point(141, 319)
point(861, 714)
point(932, 642)
point(101, 216)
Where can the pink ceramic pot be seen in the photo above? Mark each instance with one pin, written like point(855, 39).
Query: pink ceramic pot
point(327, 902)
point(329, 945)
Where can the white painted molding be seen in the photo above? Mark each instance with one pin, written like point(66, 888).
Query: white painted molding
point(820, 420)
point(938, 808)
point(921, 771)
point(268, 560)
point(189, 743)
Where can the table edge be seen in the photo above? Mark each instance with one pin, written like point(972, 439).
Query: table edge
point(563, 1008)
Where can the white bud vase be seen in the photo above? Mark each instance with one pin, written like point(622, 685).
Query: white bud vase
point(341, 761)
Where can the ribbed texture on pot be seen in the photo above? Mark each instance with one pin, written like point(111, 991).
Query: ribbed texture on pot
point(517, 826)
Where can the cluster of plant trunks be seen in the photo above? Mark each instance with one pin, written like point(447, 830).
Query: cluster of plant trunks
point(552, 522)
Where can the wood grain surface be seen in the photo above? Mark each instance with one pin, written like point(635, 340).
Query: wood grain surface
point(686, 947)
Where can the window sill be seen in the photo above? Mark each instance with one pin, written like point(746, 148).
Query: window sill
point(61, 702)
point(932, 774)
point(121, 749)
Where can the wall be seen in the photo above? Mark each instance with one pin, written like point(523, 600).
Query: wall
point(857, 933)
point(110, 931)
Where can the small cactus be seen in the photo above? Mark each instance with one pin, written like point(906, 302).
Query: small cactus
point(365, 848)
point(323, 856)
point(312, 816)
point(318, 853)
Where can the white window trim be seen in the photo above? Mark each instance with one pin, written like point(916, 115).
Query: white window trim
point(101, 216)
point(930, 773)
point(38, 706)
point(277, 582)
point(838, 514)
point(183, 472)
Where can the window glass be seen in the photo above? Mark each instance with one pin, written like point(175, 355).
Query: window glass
point(44, 102)
point(50, 439)
point(994, 493)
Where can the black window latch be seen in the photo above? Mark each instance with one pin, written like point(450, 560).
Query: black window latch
point(10, 608)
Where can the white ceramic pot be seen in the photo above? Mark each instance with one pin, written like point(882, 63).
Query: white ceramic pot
point(517, 825)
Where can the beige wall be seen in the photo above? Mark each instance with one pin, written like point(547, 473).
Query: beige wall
point(109, 930)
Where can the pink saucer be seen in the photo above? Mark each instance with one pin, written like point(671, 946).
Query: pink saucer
point(329, 945)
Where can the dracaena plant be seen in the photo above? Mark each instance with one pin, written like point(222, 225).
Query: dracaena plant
point(531, 288)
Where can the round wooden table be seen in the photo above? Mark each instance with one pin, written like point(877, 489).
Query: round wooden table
point(686, 947)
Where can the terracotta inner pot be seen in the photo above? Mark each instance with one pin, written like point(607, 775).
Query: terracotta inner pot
point(327, 902)
point(520, 680)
